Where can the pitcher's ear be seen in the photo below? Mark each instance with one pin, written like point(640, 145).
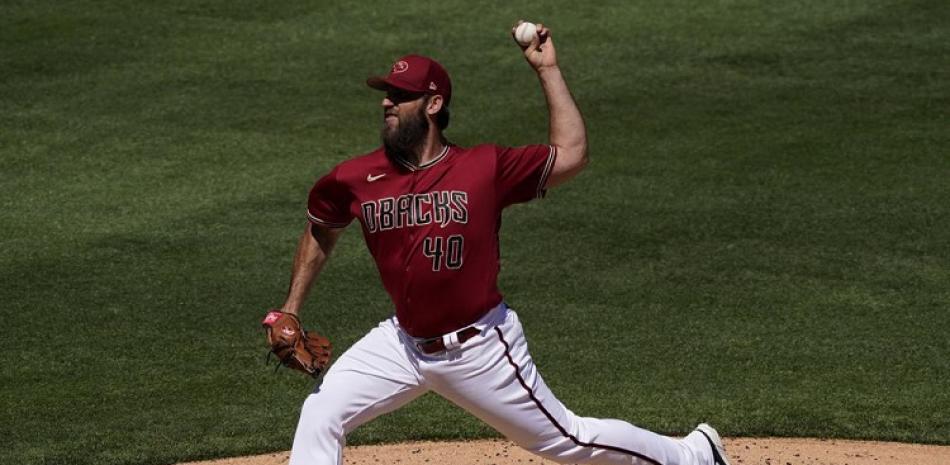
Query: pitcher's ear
point(434, 104)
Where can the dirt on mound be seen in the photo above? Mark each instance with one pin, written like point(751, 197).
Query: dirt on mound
point(767, 451)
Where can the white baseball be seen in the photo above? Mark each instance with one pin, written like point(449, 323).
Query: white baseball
point(525, 33)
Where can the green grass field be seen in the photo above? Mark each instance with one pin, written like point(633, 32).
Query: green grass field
point(762, 239)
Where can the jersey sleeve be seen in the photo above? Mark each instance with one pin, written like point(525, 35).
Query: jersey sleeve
point(523, 171)
point(329, 202)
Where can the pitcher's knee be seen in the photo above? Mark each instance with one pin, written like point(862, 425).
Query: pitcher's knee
point(321, 428)
point(319, 421)
point(555, 453)
point(561, 449)
point(577, 443)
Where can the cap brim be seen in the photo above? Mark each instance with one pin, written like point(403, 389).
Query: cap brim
point(381, 83)
point(378, 83)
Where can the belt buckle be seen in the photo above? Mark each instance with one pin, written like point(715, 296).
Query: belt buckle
point(421, 344)
point(446, 342)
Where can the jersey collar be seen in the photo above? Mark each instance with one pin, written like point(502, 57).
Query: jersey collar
point(414, 167)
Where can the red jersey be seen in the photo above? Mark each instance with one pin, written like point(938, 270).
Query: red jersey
point(433, 229)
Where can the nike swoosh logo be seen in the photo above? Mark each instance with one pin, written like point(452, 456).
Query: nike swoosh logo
point(371, 178)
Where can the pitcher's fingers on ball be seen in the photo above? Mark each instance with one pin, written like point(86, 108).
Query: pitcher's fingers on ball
point(543, 32)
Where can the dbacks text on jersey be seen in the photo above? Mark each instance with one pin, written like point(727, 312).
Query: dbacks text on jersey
point(436, 207)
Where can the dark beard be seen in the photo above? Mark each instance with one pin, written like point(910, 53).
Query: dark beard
point(405, 142)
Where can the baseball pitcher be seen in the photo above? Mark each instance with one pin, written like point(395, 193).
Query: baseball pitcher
point(430, 212)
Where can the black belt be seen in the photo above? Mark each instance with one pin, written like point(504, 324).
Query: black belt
point(437, 344)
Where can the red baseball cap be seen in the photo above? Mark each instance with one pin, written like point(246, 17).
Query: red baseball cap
point(417, 74)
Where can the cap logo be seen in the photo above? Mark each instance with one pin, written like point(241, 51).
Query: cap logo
point(432, 86)
point(400, 66)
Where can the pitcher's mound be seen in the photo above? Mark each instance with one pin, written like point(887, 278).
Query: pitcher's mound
point(769, 451)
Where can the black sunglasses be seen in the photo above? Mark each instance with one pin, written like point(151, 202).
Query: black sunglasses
point(398, 96)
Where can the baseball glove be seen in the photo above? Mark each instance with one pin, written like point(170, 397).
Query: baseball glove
point(301, 350)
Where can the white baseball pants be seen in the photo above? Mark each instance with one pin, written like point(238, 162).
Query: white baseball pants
point(491, 376)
